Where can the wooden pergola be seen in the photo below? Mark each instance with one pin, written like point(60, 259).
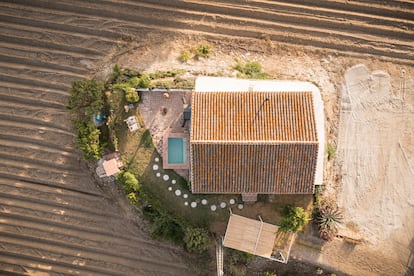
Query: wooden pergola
point(258, 238)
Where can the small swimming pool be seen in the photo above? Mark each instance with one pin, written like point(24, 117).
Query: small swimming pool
point(176, 150)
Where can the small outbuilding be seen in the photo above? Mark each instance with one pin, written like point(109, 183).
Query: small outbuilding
point(109, 165)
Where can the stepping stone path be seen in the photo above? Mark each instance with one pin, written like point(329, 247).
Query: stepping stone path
point(193, 204)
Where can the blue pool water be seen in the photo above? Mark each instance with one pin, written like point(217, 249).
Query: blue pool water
point(176, 151)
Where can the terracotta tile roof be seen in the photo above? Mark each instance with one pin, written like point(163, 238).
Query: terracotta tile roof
point(253, 116)
point(242, 143)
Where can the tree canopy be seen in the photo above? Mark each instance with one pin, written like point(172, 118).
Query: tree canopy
point(86, 97)
point(294, 218)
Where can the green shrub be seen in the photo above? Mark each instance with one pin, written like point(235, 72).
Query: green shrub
point(203, 51)
point(330, 149)
point(185, 56)
point(129, 182)
point(144, 81)
point(251, 70)
point(293, 219)
point(88, 140)
point(196, 239)
point(166, 228)
point(132, 197)
point(269, 273)
point(131, 96)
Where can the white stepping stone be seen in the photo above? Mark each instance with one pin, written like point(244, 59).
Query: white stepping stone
point(185, 196)
point(204, 201)
point(186, 203)
point(158, 174)
point(165, 177)
point(155, 167)
point(223, 205)
point(232, 201)
point(170, 188)
point(240, 206)
point(177, 192)
point(193, 204)
point(213, 207)
point(173, 181)
point(157, 159)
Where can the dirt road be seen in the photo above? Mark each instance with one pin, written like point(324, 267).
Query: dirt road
point(53, 217)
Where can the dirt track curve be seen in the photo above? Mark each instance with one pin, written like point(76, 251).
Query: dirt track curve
point(53, 218)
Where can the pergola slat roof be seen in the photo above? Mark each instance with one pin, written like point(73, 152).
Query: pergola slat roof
point(251, 236)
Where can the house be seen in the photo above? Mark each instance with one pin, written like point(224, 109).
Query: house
point(109, 165)
point(254, 137)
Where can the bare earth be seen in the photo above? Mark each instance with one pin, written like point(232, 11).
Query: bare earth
point(55, 219)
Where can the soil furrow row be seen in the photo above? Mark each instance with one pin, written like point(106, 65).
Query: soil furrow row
point(32, 82)
point(88, 224)
point(228, 13)
point(45, 60)
point(48, 45)
point(35, 132)
point(48, 183)
point(113, 248)
point(70, 180)
point(29, 101)
point(37, 95)
point(259, 17)
point(69, 256)
point(32, 16)
point(67, 195)
point(33, 107)
point(34, 141)
point(77, 216)
point(29, 72)
point(33, 69)
point(31, 201)
point(38, 263)
point(33, 160)
point(292, 34)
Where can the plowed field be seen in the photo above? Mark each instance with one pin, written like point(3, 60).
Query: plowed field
point(53, 217)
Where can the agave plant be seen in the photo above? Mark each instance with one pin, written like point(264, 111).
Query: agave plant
point(328, 219)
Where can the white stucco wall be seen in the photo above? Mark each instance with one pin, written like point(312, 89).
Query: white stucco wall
point(216, 84)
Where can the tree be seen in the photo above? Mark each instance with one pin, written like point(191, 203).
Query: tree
point(131, 96)
point(86, 98)
point(196, 239)
point(88, 140)
point(294, 218)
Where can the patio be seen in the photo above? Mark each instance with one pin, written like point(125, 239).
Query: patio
point(162, 113)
